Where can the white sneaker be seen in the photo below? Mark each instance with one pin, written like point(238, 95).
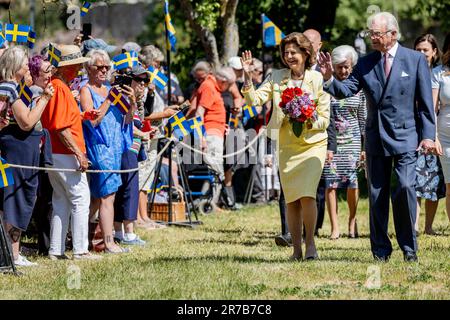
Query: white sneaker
point(24, 262)
point(87, 256)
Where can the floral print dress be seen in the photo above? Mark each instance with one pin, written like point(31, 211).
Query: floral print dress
point(350, 117)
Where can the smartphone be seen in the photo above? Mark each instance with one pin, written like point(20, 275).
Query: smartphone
point(87, 31)
point(122, 80)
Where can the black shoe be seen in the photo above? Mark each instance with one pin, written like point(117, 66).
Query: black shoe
point(410, 257)
point(381, 258)
point(283, 240)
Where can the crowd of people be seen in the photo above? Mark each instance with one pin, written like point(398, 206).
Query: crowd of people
point(372, 112)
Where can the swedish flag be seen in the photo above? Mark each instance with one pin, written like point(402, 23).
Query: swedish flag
point(197, 127)
point(25, 93)
point(272, 34)
point(6, 172)
point(85, 8)
point(234, 121)
point(158, 78)
point(31, 39)
point(54, 55)
point(125, 60)
point(180, 126)
point(2, 38)
point(249, 112)
point(119, 100)
point(17, 33)
point(172, 40)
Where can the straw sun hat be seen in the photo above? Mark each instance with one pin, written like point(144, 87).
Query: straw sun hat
point(70, 55)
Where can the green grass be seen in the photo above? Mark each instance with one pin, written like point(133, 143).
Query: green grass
point(233, 256)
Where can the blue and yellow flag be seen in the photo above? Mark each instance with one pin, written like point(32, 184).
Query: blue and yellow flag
point(7, 175)
point(85, 8)
point(197, 127)
point(180, 126)
point(158, 78)
point(17, 33)
point(127, 59)
point(272, 34)
point(249, 112)
point(25, 93)
point(2, 38)
point(31, 39)
point(233, 123)
point(171, 40)
point(119, 100)
point(54, 55)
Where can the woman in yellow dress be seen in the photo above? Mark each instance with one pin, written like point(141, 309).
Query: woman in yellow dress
point(301, 158)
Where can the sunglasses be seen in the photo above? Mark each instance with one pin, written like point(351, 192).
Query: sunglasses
point(140, 79)
point(107, 68)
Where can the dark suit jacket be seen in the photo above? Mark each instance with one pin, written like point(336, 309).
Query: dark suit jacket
point(331, 131)
point(400, 109)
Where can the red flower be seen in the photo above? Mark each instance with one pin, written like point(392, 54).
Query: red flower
point(287, 95)
point(298, 91)
point(308, 112)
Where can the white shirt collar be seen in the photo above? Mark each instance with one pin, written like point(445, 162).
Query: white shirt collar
point(393, 51)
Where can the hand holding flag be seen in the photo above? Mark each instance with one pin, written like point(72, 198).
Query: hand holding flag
point(25, 93)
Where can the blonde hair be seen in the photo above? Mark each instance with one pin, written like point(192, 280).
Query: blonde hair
point(11, 62)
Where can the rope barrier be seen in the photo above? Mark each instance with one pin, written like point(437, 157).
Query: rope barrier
point(252, 142)
point(228, 155)
point(87, 171)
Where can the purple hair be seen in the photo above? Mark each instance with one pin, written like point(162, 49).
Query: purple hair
point(34, 64)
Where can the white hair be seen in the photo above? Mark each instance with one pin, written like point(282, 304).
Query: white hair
point(226, 74)
point(386, 18)
point(11, 62)
point(151, 53)
point(202, 66)
point(342, 53)
point(96, 54)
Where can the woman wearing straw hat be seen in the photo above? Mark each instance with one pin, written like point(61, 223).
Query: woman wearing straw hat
point(71, 195)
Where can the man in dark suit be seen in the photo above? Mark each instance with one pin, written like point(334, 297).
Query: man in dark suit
point(397, 85)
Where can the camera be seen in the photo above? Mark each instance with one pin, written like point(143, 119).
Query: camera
point(122, 80)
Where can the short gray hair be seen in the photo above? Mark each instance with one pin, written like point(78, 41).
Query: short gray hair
point(388, 18)
point(342, 53)
point(226, 74)
point(11, 62)
point(151, 53)
point(202, 66)
point(94, 55)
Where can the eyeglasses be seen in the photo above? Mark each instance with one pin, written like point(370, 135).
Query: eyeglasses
point(144, 80)
point(375, 34)
point(107, 68)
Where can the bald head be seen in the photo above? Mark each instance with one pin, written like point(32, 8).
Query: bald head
point(315, 38)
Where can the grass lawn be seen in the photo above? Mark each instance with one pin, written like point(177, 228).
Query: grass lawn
point(233, 256)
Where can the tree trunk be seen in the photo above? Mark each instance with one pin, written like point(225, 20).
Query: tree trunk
point(230, 46)
point(206, 36)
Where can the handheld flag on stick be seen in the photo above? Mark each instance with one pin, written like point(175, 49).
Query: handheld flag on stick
point(125, 60)
point(249, 112)
point(158, 78)
point(234, 121)
point(272, 34)
point(25, 93)
point(31, 39)
point(17, 33)
point(85, 8)
point(180, 126)
point(119, 100)
point(171, 39)
point(6, 173)
point(54, 55)
point(196, 126)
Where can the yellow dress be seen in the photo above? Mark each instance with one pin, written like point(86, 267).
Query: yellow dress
point(301, 159)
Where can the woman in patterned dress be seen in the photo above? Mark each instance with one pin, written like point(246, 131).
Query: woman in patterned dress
point(341, 170)
point(429, 180)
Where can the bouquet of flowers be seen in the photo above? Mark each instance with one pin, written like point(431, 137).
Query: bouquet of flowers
point(299, 107)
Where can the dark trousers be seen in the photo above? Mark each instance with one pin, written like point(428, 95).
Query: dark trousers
point(403, 198)
point(42, 212)
point(283, 209)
